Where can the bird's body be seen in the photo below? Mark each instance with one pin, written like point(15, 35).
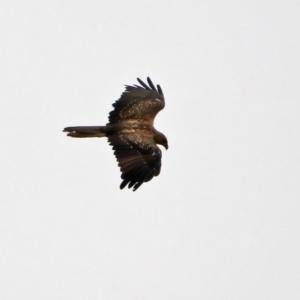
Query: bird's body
point(131, 133)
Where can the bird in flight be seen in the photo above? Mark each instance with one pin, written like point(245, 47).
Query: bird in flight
point(131, 133)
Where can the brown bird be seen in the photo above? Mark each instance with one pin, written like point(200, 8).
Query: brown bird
point(131, 133)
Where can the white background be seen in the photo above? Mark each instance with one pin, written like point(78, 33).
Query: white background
point(222, 219)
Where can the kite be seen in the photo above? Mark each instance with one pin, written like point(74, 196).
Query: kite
point(131, 133)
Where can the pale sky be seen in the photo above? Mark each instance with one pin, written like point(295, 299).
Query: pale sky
point(222, 219)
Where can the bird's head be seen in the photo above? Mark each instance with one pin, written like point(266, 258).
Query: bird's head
point(161, 139)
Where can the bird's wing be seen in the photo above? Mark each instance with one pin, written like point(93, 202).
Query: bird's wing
point(138, 156)
point(138, 102)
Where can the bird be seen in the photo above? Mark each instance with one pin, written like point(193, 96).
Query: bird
point(131, 133)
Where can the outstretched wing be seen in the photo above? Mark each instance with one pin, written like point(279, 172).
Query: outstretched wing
point(138, 102)
point(138, 156)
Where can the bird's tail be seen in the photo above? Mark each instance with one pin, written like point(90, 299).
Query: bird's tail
point(87, 131)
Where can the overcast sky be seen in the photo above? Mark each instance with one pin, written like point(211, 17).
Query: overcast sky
point(222, 219)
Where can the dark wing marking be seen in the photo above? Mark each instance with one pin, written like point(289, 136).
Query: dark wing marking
point(138, 156)
point(138, 102)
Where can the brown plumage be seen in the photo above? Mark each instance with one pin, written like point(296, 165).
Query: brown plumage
point(131, 133)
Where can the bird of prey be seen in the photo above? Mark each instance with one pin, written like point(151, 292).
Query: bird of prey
point(131, 133)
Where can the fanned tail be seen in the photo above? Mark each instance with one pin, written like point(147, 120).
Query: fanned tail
point(87, 131)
